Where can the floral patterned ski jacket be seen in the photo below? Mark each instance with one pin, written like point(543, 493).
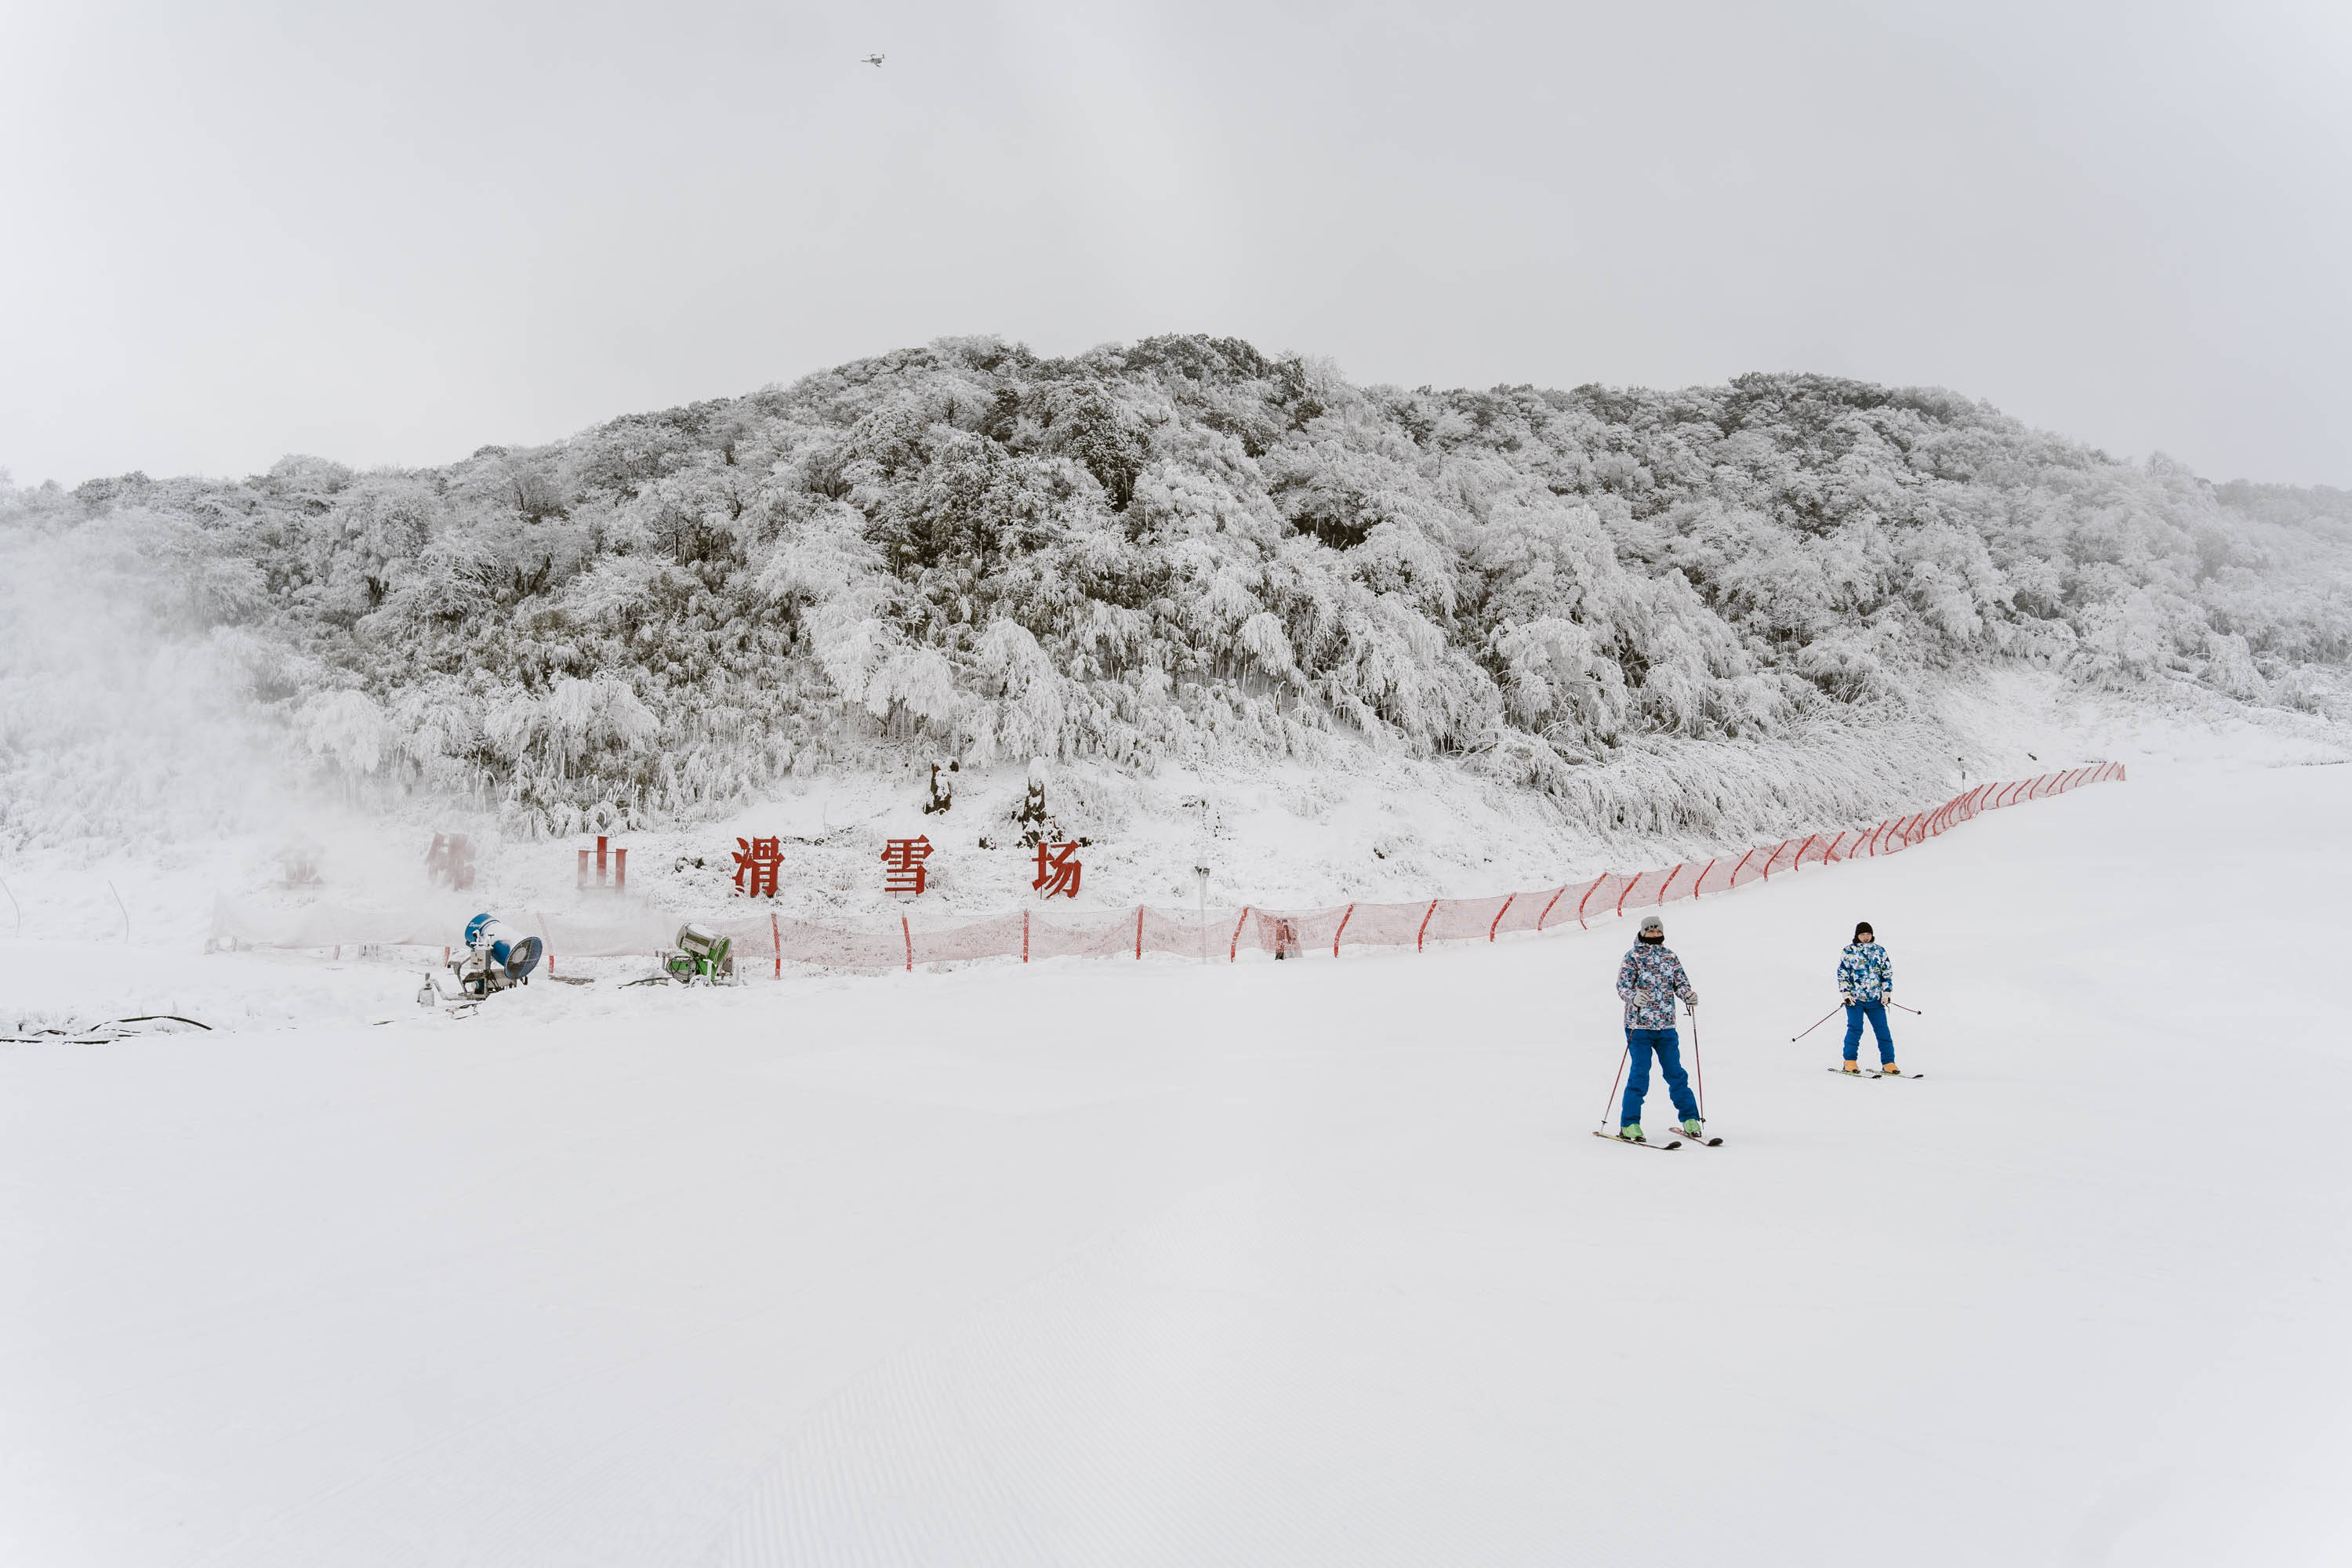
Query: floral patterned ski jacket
point(1865, 973)
point(1649, 980)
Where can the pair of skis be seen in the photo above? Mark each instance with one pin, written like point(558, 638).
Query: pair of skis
point(1842, 1073)
point(1669, 1143)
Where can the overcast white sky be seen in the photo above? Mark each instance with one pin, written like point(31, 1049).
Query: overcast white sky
point(393, 233)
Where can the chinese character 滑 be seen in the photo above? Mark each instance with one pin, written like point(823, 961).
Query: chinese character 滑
point(759, 857)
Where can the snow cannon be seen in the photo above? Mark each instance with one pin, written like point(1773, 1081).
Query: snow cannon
point(701, 954)
point(495, 958)
point(516, 955)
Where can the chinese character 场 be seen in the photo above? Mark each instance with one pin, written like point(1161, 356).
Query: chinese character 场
point(1058, 870)
point(902, 861)
point(757, 858)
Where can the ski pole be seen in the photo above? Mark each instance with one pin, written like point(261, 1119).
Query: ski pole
point(1817, 1023)
point(1698, 1068)
point(1621, 1060)
point(1913, 1011)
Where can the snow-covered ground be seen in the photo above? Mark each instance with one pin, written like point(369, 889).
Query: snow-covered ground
point(1119, 1263)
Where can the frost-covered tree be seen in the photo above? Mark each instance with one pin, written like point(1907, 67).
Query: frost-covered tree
point(1185, 549)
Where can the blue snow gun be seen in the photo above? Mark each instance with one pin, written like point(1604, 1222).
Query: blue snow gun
point(518, 956)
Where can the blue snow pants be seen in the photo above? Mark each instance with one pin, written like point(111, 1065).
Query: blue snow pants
point(1876, 1013)
point(1668, 1045)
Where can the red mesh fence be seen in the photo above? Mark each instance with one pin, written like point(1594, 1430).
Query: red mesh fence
point(1228, 933)
point(1285, 933)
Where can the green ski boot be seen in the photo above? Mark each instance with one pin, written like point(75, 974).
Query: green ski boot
point(1690, 1127)
point(1631, 1132)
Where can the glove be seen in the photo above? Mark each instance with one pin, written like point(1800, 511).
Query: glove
point(1692, 1003)
point(1640, 996)
point(1848, 998)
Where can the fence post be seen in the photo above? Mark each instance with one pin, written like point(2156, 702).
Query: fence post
point(1699, 886)
point(1233, 953)
point(1547, 908)
point(1024, 936)
point(776, 935)
point(1496, 923)
point(1670, 882)
point(1799, 862)
point(1588, 899)
point(1139, 931)
point(1422, 934)
point(1351, 915)
point(907, 932)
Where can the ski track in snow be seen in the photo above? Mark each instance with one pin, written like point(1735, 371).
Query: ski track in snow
point(1102, 1263)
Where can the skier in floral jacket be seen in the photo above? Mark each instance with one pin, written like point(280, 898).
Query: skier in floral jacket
point(1866, 981)
point(1649, 981)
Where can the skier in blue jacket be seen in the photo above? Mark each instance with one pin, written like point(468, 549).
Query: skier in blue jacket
point(1866, 980)
point(1649, 981)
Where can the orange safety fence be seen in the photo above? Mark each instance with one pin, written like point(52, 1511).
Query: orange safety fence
point(1223, 934)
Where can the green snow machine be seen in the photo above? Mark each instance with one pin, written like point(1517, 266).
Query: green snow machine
point(701, 957)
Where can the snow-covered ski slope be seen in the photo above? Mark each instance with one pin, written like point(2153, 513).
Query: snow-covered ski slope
point(1153, 1263)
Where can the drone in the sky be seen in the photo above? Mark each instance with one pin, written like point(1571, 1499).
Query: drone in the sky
point(874, 60)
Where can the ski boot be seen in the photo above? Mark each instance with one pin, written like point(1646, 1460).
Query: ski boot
point(1853, 1066)
point(1691, 1127)
point(1889, 1069)
point(1631, 1132)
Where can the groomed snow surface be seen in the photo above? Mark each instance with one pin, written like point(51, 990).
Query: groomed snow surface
point(1154, 1263)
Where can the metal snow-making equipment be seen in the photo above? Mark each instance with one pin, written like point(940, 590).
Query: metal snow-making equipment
point(513, 955)
point(701, 954)
point(496, 957)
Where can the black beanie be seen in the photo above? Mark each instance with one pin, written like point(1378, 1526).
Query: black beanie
point(1861, 927)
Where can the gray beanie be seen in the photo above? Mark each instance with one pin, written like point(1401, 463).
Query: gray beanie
point(1654, 924)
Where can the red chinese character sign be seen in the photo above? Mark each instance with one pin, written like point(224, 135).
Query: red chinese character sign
point(757, 859)
point(450, 861)
point(902, 865)
point(1058, 870)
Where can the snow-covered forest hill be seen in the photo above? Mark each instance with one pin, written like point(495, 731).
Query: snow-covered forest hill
point(1180, 551)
